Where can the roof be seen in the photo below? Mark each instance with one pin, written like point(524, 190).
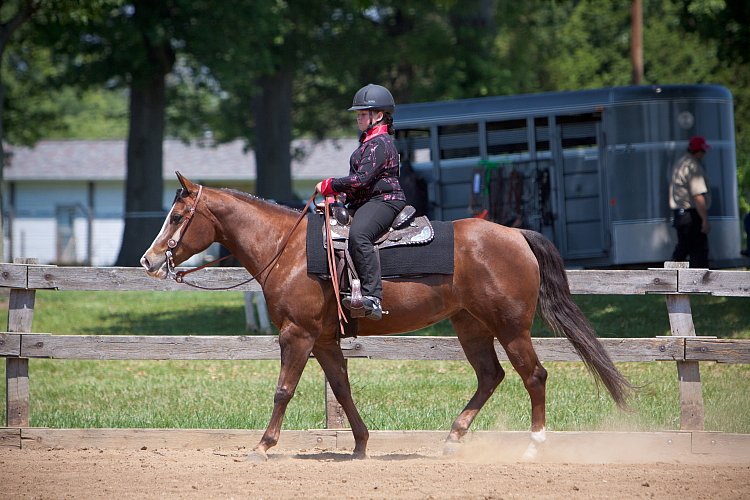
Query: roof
point(494, 107)
point(97, 160)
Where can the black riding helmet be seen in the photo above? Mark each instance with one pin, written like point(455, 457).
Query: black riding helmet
point(373, 97)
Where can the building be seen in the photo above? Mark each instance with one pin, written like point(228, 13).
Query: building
point(64, 200)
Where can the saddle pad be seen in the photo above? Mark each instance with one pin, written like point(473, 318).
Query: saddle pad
point(433, 258)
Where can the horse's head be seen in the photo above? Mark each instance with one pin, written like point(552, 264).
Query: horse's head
point(185, 232)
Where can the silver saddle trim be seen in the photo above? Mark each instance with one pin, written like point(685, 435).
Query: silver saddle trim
point(418, 232)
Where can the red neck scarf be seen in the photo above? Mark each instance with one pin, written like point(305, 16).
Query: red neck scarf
point(376, 130)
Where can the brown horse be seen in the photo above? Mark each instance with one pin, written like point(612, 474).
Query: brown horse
point(500, 274)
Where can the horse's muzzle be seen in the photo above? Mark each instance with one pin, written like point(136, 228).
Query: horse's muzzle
point(154, 269)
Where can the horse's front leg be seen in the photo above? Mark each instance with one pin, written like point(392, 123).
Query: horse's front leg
point(332, 361)
point(296, 345)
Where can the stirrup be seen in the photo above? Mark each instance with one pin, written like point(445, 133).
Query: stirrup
point(371, 308)
point(354, 301)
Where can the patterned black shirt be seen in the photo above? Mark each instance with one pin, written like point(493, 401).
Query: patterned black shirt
point(373, 171)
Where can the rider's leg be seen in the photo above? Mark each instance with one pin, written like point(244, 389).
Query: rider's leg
point(370, 221)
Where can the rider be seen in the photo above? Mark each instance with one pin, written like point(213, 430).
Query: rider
point(372, 189)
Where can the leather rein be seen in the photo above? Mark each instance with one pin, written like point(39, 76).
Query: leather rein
point(179, 233)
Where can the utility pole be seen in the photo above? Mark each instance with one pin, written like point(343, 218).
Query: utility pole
point(636, 41)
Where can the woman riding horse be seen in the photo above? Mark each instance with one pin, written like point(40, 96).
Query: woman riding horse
point(372, 189)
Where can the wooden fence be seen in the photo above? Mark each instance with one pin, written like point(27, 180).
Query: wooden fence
point(19, 344)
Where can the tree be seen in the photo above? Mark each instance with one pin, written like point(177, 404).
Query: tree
point(727, 25)
point(119, 44)
point(13, 16)
point(262, 50)
point(153, 58)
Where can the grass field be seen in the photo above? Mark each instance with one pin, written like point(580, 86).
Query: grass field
point(390, 394)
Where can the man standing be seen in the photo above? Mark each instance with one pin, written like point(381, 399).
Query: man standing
point(690, 199)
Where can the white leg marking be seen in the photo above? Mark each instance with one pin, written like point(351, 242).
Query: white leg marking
point(537, 438)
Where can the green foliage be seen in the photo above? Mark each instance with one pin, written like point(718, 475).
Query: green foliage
point(726, 22)
point(93, 114)
point(26, 74)
point(422, 49)
point(593, 46)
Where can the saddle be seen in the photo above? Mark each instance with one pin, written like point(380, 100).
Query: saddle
point(405, 230)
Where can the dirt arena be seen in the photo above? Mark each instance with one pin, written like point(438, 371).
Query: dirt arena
point(225, 473)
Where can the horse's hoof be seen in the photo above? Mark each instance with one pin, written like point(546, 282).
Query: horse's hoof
point(256, 456)
point(359, 455)
point(530, 454)
point(452, 448)
point(537, 442)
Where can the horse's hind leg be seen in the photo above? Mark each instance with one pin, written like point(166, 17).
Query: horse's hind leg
point(478, 345)
point(520, 351)
point(332, 361)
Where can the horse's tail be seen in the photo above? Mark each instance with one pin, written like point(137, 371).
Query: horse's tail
point(563, 317)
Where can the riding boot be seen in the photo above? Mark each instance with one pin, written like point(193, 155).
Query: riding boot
point(373, 309)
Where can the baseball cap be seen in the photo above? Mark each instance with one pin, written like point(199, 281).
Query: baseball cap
point(698, 143)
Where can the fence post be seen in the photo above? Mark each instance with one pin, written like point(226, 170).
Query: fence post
point(335, 416)
point(20, 317)
point(681, 324)
point(256, 302)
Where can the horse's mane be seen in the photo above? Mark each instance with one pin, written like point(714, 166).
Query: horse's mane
point(251, 198)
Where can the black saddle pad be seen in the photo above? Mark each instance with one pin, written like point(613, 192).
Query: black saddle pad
point(434, 258)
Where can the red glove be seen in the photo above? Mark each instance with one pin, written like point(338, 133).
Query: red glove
point(325, 187)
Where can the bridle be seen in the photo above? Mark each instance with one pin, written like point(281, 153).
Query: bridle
point(177, 238)
point(179, 233)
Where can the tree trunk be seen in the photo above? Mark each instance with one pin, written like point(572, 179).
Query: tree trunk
point(272, 109)
point(144, 187)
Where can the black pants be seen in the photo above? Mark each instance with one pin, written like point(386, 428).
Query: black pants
point(692, 243)
point(369, 222)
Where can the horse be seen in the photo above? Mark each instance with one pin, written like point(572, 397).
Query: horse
point(501, 275)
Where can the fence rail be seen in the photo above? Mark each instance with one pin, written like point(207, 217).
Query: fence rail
point(585, 282)
point(257, 347)
point(18, 344)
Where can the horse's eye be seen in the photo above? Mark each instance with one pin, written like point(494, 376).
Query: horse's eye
point(176, 218)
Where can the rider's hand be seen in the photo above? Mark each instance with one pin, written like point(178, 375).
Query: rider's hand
point(324, 187)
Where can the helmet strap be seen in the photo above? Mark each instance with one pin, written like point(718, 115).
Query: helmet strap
point(370, 122)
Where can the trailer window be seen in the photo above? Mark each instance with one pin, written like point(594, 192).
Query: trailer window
point(414, 145)
point(579, 131)
point(459, 141)
point(507, 136)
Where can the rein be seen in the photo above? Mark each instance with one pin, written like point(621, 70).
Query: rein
point(332, 266)
point(179, 276)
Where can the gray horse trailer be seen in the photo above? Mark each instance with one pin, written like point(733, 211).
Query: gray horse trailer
point(590, 169)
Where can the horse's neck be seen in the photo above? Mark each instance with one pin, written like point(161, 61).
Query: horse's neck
point(251, 229)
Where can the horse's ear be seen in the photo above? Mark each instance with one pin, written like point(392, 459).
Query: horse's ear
point(187, 184)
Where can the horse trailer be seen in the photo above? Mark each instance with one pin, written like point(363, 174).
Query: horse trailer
point(589, 169)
